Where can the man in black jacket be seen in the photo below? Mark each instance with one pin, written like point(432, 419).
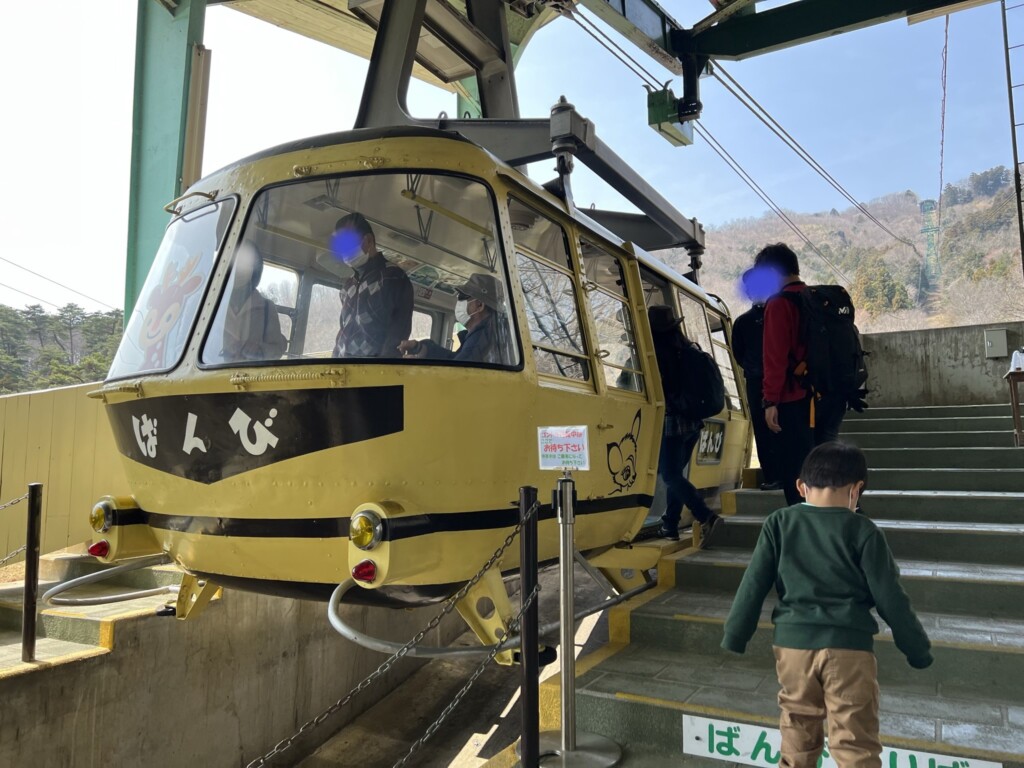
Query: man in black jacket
point(748, 346)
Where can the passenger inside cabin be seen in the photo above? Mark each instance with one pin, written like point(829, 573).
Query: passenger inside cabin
point(376, 302)
point(252, 329)
point(484, 322)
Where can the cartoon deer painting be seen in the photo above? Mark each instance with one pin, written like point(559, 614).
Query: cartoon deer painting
point(164, 308)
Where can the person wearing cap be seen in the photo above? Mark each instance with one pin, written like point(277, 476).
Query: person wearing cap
point(376, 302)
point(681, 431)
point(484, 298)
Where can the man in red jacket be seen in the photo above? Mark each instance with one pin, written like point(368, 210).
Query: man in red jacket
point(787, 404)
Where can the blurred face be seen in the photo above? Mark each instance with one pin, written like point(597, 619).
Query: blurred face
point(350, 247)
point(246, 263)
point(760, 283)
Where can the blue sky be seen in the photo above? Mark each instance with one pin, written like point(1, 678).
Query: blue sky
point(865, 104)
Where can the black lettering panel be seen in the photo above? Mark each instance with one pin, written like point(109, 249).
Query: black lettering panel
point(207, 438)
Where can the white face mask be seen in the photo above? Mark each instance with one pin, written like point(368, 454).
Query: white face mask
point(358, 260)
point(462, 313)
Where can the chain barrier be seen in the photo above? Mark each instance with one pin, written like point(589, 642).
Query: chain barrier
point(18, 551)
point(513, 628)
point(23, 547)
point(12, 502)
point(449, 606)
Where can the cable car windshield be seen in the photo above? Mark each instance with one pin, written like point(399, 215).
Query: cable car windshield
point(382, 266)
point(161, 322)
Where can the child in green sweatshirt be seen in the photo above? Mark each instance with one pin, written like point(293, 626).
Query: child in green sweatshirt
point(829, 567)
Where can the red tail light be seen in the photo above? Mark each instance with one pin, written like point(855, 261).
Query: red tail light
point(100, 549)
point(364, 571)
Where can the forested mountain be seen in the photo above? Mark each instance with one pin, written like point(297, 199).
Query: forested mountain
point(973, 277)
point(39, 350)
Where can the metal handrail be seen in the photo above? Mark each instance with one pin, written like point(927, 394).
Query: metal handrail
point(435, 652)
point(50, 596)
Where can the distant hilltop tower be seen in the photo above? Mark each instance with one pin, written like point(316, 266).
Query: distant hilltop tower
point(931, 268)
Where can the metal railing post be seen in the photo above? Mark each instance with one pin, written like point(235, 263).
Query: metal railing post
point(528, 629)
point(33, 528)
point(578, 750)
point(567, 584)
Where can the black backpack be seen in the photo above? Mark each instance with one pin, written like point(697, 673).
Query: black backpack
point(702, 394)
point(835, 362)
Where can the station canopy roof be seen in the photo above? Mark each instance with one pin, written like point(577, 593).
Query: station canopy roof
point(351, 25)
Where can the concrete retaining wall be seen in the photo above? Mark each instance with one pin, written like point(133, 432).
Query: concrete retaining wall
point(941, 366)
point(218, 690)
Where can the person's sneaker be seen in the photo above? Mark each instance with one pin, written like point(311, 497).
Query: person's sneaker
point(664, 533)
point(707, 530)
point(776, 486)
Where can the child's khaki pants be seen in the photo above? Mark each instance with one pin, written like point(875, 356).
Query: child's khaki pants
point(839, 684)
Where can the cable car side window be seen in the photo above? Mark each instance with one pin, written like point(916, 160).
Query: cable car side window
point(656, 288)
point(695, 324)
point(161, 323)
point(605, 289)
point(724, 360)
point(552, 312)
point(382, 263)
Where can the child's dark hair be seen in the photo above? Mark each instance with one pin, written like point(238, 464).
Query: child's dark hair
point(834, 465)
point(780, 257)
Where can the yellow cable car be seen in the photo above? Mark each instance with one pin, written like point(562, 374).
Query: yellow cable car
point(297, 405)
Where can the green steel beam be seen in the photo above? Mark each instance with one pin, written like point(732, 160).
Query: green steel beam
point(748, 35)
point(164, 45)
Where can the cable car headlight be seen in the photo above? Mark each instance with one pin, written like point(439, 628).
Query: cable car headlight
point(102, 517)
point(365, 529)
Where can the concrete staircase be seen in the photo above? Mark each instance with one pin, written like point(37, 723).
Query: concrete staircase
point(70, 633)
point(948, 491)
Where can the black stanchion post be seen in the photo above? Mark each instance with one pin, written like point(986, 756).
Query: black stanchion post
point(34, 526)
point(529, 744)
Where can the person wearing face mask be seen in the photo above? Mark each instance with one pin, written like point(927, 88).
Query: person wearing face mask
point(252, 329)
point(829, 567)
point(481, 315)
point(376, 302)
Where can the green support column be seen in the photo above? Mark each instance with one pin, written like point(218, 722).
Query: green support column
point(164, 46)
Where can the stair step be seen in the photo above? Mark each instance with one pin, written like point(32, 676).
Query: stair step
point(989, 543)
point(639, 696)
point(963, 439)
point(928, 412)
point(83, 624)
point(944, 506)
point(945, 479)
point(938, 424)
point(955, 458)
point(972, 654)
point(49, 652)
point(991, 591)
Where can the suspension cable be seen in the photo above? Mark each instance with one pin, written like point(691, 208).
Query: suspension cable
point(599, 36)
point(749, 181)
point(649, 79)
point(773, 125)
point(942, 138)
